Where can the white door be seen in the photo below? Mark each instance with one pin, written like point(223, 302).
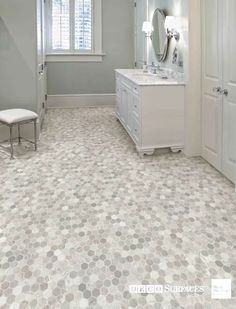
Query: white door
point(41, 59)
point(140, 17)
point(212, 80)
point(229, 84)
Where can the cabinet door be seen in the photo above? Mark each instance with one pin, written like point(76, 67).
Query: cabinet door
point(118, 107)
point(129, 103)
point(136, 106)
point(118, 98)
point(123, 105)
point(229, 101)
point(212, 79)
point(135, 129)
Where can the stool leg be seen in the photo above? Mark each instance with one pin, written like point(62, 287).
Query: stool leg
point(19, 137)
point(11, 143)
point(35, 134)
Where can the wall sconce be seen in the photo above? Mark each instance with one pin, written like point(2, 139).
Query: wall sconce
point(148, 29)
point(171, 24)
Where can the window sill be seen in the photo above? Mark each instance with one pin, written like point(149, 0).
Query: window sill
point(57, 57)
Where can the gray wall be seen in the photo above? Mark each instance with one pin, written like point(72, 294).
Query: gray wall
point(17, 54)
point(97, 78)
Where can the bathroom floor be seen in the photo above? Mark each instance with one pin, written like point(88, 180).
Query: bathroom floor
point(85, 217)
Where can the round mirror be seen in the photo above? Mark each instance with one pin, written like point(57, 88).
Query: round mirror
point(160, 39)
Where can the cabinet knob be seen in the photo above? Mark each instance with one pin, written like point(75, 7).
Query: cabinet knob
point(225, 92)
point(217, 89)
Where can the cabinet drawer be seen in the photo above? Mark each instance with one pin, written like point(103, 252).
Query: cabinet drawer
point(136, 89)
point(118, 77)
point(136, 106)
point(126, 83)
point(136, 130)
point(118, 91)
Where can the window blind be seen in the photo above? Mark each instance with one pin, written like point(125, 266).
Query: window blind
point(61, 24)
point(83, 24)
point(72, 25)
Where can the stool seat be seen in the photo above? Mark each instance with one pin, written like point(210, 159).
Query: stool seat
point(17, 117)
point(11, 116)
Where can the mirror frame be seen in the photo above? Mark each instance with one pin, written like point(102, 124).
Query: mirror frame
point(166, 45)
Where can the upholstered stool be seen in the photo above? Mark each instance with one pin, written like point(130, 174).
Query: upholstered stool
point(17, 117)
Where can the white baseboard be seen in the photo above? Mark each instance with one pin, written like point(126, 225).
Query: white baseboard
point(80, 100)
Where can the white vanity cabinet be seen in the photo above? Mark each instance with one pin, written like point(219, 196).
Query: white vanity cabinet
point(151, 113)
point(128, 107)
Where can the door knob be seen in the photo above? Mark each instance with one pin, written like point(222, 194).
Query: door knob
point(217, 89)
point(225, 92)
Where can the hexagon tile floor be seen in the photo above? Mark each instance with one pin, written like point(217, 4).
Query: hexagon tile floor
point(85, 217)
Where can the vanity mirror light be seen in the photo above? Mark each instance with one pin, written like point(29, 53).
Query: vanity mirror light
point(172, 24)
point(160, 38)
point(148, 29)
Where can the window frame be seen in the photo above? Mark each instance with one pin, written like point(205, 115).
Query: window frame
point(74, 55)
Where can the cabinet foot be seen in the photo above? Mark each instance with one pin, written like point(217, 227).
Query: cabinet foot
point(147, 152)
point(176, 149)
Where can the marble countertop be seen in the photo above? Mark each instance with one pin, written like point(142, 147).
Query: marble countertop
point(148, 79)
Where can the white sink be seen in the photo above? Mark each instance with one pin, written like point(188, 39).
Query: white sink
point(146, 77)
point(163, 77)
point(141, 74)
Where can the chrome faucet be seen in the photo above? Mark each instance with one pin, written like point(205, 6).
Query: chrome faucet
point(154, 68)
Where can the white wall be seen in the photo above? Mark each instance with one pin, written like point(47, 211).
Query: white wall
point(193, 99)
point(17, 54)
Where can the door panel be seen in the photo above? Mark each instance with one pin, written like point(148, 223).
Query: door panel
point(211, 124)
point(211, 39)
point(212, 78)
point(229, 102)
point(41, 59)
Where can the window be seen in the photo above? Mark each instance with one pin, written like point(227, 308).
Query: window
point(83, 24)
point(74, 28)
point(60, 25)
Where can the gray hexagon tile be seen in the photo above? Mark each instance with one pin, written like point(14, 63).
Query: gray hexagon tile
point(85, 217)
